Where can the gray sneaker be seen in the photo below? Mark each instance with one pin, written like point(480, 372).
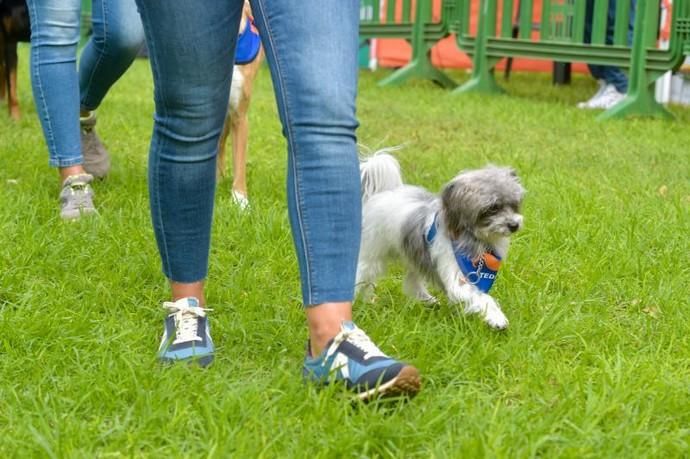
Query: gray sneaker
point(96, 157)
point(76, 197)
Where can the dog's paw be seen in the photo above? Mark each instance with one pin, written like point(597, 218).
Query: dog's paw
point(492, 313)
point(488, 309)
point(365, 292)
point(496, 319)
point(477, 302)
point(430, 300)
point(240, 200)
point(422, 296)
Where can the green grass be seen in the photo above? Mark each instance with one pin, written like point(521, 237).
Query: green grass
point(595, 363)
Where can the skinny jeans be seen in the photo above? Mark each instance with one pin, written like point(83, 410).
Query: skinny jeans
point(311, 48)
point(607, 73)
point(60, 90)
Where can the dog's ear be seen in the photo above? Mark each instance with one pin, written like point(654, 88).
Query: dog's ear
point(514, 175)
point(453, 210)
point(448, 193)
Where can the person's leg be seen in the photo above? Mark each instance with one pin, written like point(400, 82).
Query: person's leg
point(316, 89)
point(613, 75)
point(613, 83)
point(191, 51)
point(597, 71)
point(311, 48)
point(616, 82)
point(117, 37)
point(54, 38)
point(594, 70)
point(589, 18)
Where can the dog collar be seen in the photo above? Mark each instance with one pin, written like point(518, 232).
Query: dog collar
point(480, 271)
point(248, 44)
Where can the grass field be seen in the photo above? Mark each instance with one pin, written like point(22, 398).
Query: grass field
point(595, 364)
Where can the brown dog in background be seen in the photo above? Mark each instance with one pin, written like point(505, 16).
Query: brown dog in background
point(14, 27)
point(247, 62)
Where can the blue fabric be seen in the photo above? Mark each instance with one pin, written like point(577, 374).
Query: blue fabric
point(433, 229)
point(248, 45)
point(58, 88)
point(483, 278)
point(312, 55)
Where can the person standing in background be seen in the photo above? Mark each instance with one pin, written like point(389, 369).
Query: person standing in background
point(613, 83)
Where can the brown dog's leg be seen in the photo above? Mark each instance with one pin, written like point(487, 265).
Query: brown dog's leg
point(3, 83)
point(13, 98)
point(3, 67)
point(240, 135)
point(239, 121)
point(3, 79)
point(11, 74)
point(221, 165)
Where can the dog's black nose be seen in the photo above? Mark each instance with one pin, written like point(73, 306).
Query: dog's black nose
point(513, 227)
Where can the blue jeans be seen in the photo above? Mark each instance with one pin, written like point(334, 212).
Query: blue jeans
point(59, 90)
point(611, 75)
point(311, 48)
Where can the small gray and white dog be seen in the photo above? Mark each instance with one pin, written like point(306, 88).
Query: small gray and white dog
point(474, 215)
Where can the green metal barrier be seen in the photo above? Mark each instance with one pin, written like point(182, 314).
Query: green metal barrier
point(412, 22)
point(561, 38)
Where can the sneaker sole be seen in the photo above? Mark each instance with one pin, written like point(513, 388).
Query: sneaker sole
point(76, 215)
point(406, 383)
point(203, 361)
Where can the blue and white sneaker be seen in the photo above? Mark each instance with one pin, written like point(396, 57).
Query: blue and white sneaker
point(351, 357)
point(186, 335)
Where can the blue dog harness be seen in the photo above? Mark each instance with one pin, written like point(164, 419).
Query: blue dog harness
point(248, 44)
point(481, 271)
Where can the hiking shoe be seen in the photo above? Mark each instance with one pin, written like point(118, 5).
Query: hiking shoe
point(76, 197)
point(96, 158)
point(588, 103)
point(186, 335)
point(351, 357)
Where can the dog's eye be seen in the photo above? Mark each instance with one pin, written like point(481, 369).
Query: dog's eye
point(493, 210)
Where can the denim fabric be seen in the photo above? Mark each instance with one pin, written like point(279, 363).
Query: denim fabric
point(611, 75)
point(59, 91)
point(311, 49)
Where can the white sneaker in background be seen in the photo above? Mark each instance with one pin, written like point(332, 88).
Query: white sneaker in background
point(608, 98)
point(600, 91)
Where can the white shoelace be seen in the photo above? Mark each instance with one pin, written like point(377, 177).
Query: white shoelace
point(185, 321)
point(358, 338)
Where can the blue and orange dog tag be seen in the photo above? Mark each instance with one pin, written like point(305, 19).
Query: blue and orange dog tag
point(482, 271)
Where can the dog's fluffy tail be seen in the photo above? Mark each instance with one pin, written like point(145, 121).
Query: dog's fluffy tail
point(379, 172)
